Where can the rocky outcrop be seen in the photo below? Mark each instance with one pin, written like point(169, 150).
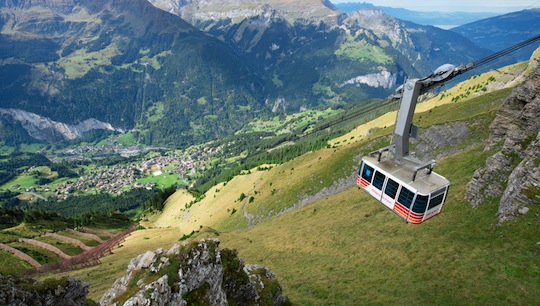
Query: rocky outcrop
point(513, 172)
point(194, 273)
point(64, 291)
point(43, 128)
point(382, 79)
point(192, 10)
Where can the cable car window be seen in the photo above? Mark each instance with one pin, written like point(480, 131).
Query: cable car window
point(436, 201)
point(391, 188)
point(420, 204)
point(367, 173)
point(406, 197)
point(378, 181)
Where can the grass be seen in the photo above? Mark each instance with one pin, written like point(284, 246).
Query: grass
point(127, 139)
point(11, 264)
point(163, 180)
point(40, 255)
point(24, 181)
point(288, 123)
point(65, 247)
point(87, 241)
point(21, 230)
point(354, 251)
point(363, 52)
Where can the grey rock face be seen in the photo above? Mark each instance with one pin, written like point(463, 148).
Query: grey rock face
point(197, 272)
point(513, 173)
point(66, 291)
point(43, 128)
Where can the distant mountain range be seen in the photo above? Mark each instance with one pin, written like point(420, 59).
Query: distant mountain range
point(443, 19)
point(134, 67)
point(500, 32)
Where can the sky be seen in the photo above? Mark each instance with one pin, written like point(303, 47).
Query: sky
point(497, 6)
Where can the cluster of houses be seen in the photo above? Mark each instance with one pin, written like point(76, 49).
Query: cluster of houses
point(118, 178)
point(111, 179)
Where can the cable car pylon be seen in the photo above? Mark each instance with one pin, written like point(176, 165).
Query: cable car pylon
point(404, 184)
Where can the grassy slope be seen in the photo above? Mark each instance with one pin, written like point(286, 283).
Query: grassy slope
point(348, 249)
point(504, 78)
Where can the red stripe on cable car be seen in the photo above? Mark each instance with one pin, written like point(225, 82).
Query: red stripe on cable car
point(416, 215)
point(401, 210)
point(364, 183)
point(415, 218)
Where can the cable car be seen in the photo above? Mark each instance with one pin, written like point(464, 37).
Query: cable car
point(392, 184)
point(401, 182)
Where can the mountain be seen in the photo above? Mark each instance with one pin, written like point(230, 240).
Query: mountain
point(137, 68)
point(124, 63)
point(195, 10)
point(500, 32)
point(443, 19)
point(307, 61)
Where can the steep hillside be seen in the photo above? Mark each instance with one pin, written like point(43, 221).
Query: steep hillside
point(328, 242)
point(124, 63)
point(329, 171)
point(500, 32)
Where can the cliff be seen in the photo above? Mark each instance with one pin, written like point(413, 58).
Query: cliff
point(194, 273)
point(513, 172)
point(43, 128)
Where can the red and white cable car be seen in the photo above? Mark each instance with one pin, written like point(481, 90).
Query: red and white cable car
point(401, 182)
point(391, 184)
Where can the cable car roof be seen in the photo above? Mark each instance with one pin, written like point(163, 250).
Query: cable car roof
point(424, 183)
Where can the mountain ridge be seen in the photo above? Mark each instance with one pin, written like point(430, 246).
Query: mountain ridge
point(500, 32)
point(97, 44)
point(339, 59)
point(435, 18)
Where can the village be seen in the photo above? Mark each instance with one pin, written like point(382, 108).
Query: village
point(154, 170)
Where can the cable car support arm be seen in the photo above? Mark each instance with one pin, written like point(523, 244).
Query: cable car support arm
point(413, 88)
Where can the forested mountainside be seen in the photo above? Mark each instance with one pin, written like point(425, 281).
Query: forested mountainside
point(131, 66)
point(308, 60)
point(125, 63)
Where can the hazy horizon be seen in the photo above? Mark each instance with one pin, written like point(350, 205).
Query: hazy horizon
point(497, 6)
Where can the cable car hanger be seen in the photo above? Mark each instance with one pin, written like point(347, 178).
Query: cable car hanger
point(391, 175)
